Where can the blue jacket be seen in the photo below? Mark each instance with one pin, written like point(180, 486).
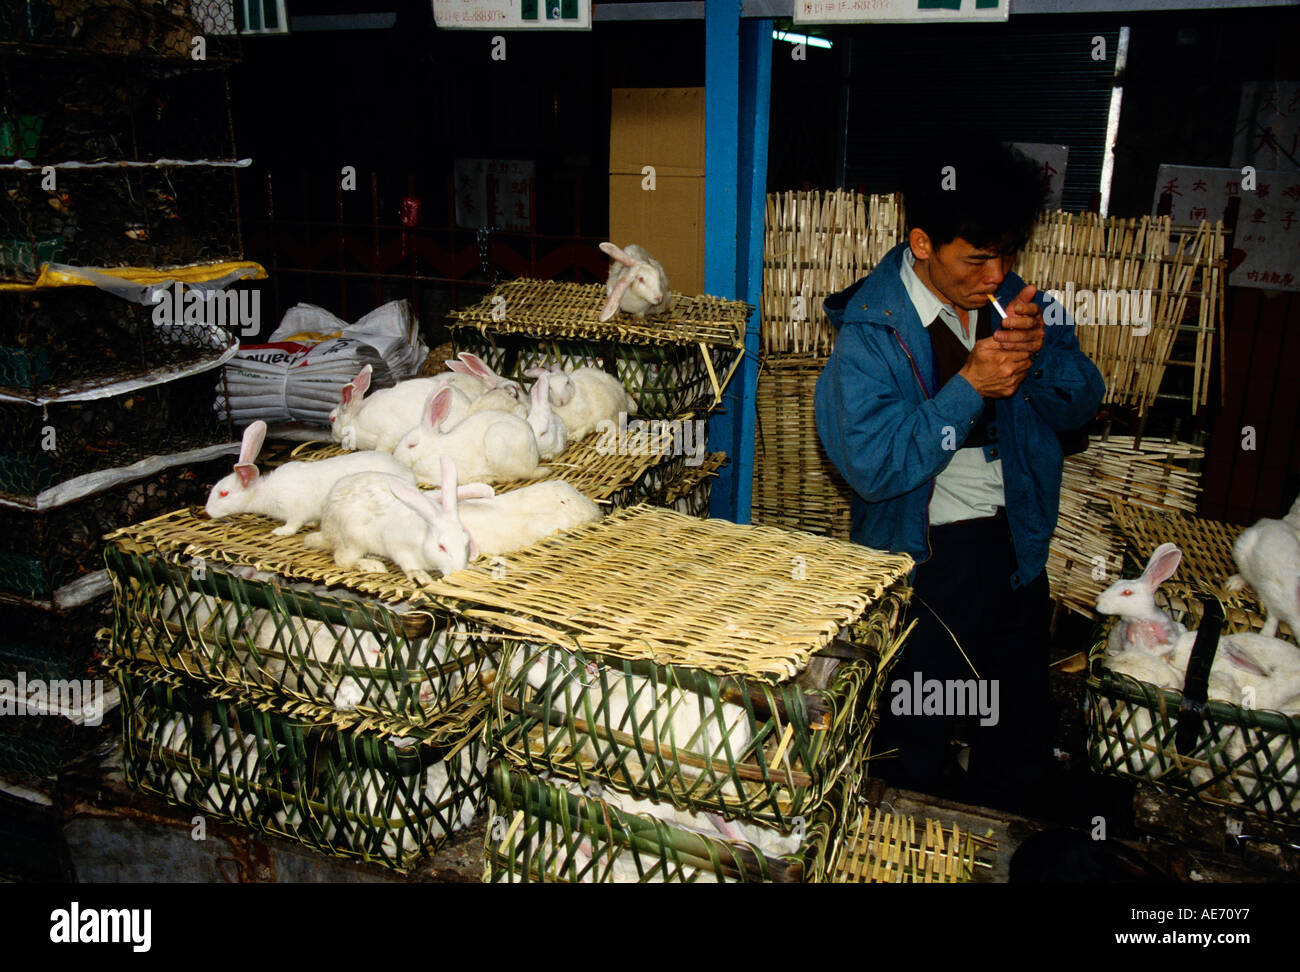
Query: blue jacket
point(882, 420)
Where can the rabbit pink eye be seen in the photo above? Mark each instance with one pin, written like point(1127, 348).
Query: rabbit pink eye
point(224, 492)
point(442, 548)
point(410, 445)
point(1126, 592)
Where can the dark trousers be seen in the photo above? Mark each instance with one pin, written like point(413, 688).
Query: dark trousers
point(1005, 634)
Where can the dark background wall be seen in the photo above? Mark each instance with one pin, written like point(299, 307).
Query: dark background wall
point(401, 104)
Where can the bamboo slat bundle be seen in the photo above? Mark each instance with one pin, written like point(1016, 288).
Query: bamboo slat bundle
point(887, 849)
point(1126, 283)
point(817, 243)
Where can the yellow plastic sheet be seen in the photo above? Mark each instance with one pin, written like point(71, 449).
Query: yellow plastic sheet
point(142, 276)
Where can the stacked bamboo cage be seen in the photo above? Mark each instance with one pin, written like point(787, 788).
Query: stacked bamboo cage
point(1087, 550)
point(1088, 262)
point(629, 728)
point(815, 244)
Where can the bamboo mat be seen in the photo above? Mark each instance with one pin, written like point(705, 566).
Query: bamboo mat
point(650, 584)
point(887, 849)
point(645, 583)
point(1207, 561)
point(556, 309)
point(1073, 253)
point(1154, 474)
point(815, 244)
point(607, 479)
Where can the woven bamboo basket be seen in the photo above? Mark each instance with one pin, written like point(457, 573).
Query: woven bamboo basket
point(1087, 551)
point(352, 795)
point(544, 831)
point(1207, 563)
point(671, 363)
point(887, 848)
point(795, 485)
point(1243, 758)
point(739, 679)
point(188, 600)
point(689, 491)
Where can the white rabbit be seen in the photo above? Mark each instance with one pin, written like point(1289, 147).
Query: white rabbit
point(1142, 624)
point(488, 447)
point(1268, 557)
point(442, 790)
point(637, 283)
point(296, 491)
point(377, 422)
point(552, 434)
point(521, 517)
point(1268, 666)
point(234, 771)
point(585, 397)
point(173, 736)
point(501, 394)
point(372, 513)
point(768, 841)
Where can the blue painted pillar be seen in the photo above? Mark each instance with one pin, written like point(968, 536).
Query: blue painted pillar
point(738, 76)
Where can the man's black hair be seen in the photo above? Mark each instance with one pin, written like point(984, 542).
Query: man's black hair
point(987, 193)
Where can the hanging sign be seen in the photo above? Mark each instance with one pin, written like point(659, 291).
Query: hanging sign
point(897, 11)
point(513, 14)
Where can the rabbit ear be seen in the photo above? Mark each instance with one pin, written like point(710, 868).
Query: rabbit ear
point(448, 485)
point(1164, 561)
point(346, 393)
point(473, 547)
point(459, 367)
point(538, 393)
point(436, 408)
point(414, 499)
point(477, 365)
point(475, 491)
point(251, 445)
point(535, 372)
point(362, 381)
point(616, 253)
point(1241, 658)
point(246, 472)
point(615, 298)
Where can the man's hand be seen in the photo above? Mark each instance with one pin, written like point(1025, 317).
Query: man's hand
point(998, 364)
point(1023, 328)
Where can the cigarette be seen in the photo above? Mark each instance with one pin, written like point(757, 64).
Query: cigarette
point(997, 307)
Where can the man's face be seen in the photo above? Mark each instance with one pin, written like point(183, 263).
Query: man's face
point(958, 272)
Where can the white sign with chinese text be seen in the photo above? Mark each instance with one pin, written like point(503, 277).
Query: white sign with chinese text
point(1266, 250)
point(513, 14)
point(1268, 126)
point(897, 11)
point(494, 192)
point(1051, 160)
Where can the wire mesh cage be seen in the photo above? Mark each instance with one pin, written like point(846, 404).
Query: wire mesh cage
point(1242, 756)
point(53, 110)
point(113, 217)
point(43, 446)
point(122, 27)
point(70, 339)
point(47, 549)
point(550, 831)
point(46, 644)
point(379, 798)
point(340, 655)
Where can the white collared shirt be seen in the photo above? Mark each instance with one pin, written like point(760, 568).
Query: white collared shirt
point(968, 487)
